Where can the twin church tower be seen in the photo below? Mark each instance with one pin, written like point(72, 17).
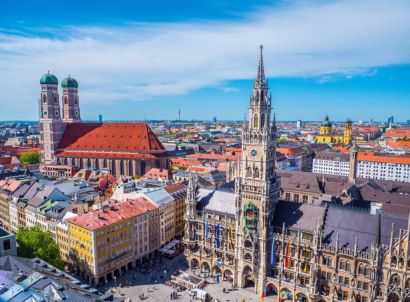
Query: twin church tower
point(52, 122)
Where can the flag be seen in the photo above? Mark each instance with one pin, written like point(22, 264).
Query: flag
point(306, 260)
point(287, 260)
point(217, 239)
point(206, 231)
point(273, 252)
point(262, 297)
point(231, 237)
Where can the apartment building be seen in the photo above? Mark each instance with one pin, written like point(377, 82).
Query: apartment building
point(107, 241)
point(366, 164)
point(383, 166)
point(333, 163)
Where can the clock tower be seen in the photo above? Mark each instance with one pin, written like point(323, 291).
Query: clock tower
point(257, 189)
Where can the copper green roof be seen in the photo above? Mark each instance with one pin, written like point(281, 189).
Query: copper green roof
point(69, 82)
point(48, 78)
point(327, 122)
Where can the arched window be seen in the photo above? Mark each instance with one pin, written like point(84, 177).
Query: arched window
point(367, 271)
point(65, 100)
point(97, 164)
point(143, 166)
point(395, 280)
point(342, 264)
point(255, 121)
point(81, 163)
point(394, 260)
point(361, 269)
point(262, 121)
point(121, 167)
point(347, 266)
point(44, 98)
point(88, 163)
point(401, 261)
point(113, 168)
point(105, 163)
point(65, 161)
point(130, 168)
point(248, 244)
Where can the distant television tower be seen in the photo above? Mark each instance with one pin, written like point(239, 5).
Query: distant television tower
point(179, 114)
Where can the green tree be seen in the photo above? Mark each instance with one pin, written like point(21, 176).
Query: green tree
point(33, 242)
point(30, 158)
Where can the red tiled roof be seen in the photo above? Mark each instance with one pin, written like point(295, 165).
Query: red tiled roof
point(174, 187)
point(113, 213)
point(398, 144)
point(112, 137)
point(373, 157)
point(158, 173)
point(398, 132)
point(5, 160)
point(104, 155)
point(10, 185)
point(291, 151)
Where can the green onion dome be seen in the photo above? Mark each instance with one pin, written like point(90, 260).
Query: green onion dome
point(48, 78)
point(327, 123)
point(69, 83)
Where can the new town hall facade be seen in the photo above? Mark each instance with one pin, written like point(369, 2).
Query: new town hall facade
point(244, 233)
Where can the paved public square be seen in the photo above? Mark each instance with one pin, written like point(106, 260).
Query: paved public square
point(132, 284)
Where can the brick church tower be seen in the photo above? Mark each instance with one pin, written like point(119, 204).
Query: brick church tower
point(71, 102)
point(257, 190)
point(51, 124)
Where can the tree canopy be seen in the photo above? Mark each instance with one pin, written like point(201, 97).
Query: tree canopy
point(30, 158)
point(33, 242)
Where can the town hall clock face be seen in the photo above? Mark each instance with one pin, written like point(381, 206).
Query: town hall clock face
point(254, 152)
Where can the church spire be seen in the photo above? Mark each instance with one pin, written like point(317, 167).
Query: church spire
point(260, 79)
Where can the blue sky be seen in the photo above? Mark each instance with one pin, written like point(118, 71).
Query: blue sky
point(147, 59)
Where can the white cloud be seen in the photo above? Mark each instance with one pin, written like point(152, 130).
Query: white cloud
point(144, 60)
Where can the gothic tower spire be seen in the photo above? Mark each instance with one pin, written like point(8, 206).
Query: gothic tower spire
point(260, 78)
point(257, 187)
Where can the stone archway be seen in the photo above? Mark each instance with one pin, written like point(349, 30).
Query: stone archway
point(393, 297)
point(227, 275)
point(205, 267)
point(194, 263)
point(216, 270)
point(248, 280)
point(286, 295)
point(301, 297)
point(271, 290)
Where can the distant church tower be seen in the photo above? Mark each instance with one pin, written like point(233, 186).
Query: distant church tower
point(51, 125)
point(347, 132)
point(71, 102)
point(257, 190)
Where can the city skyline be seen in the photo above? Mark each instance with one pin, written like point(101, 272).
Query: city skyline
point(146, 63)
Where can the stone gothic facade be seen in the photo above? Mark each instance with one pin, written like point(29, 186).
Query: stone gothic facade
point(246, 233)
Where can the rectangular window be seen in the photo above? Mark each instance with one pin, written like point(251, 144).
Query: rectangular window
point(6, 245)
